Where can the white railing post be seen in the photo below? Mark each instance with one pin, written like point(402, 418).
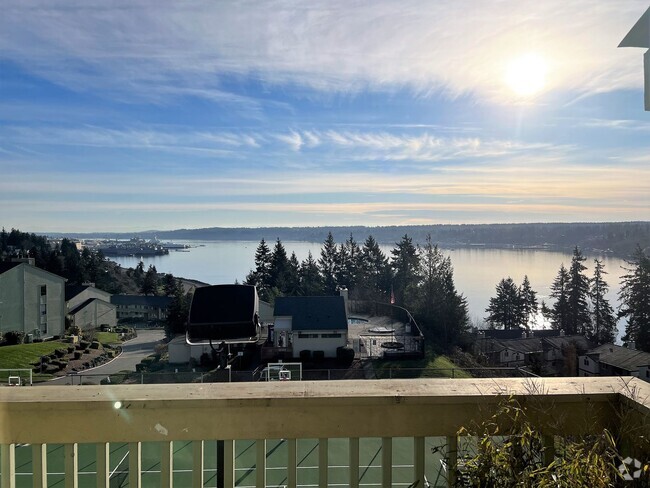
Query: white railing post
point(418, 460)
point(197, 464)
point(292, 464)
point(71, 465)
point(167, 464)
point(39, 465)
point(386, 462)
point(135, 464)
point(8, 453)
point(103, 465)
point(354, 462)
point(260, 463)
point(229, 464)
point(452, 460)
point(323, 445)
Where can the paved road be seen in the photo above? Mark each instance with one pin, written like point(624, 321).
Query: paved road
point(133, 352)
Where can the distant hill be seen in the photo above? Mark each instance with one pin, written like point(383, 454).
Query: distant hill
point(616, 238)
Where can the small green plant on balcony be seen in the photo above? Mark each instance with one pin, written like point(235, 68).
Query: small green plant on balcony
point(508, 451)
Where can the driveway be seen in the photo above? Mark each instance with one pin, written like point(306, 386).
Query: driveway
point(133, 352)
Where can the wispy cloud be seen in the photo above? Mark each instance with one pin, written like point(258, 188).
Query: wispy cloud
point(148, 49)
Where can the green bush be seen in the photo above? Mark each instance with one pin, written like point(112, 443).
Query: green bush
point(94, 345)
point(84, 344)
point(319, 356)
point(13, 337)
point(60, 352)
point(78, 354)
point(305, 355)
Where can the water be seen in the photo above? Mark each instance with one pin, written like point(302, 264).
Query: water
point(476, 271)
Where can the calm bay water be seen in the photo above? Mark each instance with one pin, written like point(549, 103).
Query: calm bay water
point(476, 271)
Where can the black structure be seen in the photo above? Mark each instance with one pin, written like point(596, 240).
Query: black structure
point(224, 313)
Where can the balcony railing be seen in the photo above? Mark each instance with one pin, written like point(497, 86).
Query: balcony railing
point(338, 417)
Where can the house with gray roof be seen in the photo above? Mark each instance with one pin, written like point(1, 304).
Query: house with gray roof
point(140, 308)
point(89, 308)
point(310, 324)
point(613, 360)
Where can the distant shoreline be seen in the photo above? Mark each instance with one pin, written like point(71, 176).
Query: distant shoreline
point(605, 238)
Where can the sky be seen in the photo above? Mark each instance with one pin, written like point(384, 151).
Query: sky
point(137, 115)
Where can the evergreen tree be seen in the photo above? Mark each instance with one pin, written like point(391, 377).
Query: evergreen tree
point(310, 279)
point(328, 265)
point(431, 262)
point(279, 269)
point(405, 263)
point(453, 317)
point(169, 285)
point(150, 282)
point(578, 294)
point(602, 315)
point(350, 258)
point(375, 274)
point(293, 276)
point(559, 313)
point(177, 312)
point(506, 308)
point(528, 298)
point(635, 300)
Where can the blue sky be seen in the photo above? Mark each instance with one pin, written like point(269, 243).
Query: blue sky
point(122, 115)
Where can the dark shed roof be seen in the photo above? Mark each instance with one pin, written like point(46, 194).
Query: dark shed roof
point(313, 313)
point(621, 357)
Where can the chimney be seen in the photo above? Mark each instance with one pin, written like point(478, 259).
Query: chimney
point(523, 335)
point(30, 261)
point(344, 293)
point(561, 332)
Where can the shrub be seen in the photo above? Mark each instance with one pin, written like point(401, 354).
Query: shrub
point(205, 359)
point(70, 349)
point(45, 359)
point(74, 330)
point(305, 355)
point(84, 344)
point(95, 345)
point(77, 354)
point(319, 356)
point(86, 351)
point(38, 339)
point(13, 337)
point(345, 354)
point(60, 352)
point(50, 369)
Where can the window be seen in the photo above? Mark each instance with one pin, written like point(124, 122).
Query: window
point(307, 336)
point(43, 290)
point(586, 362)
point(331, 336)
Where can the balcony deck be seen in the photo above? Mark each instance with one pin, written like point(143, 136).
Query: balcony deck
point(322, 410)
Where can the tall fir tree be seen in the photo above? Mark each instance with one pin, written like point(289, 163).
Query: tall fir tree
point(328, 265)
point(405, 263)
point(505, 309)
point(559, 312)
point(310, 279)
point(578, 295)
point(292, 287)
point(529, 305)
point(602, 314)
point(374, 274)
point(635, 300)
point(150, 282)
point(279, 269)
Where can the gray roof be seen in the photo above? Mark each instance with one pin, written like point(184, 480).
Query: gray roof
point(85, 303)
point(621, 357)
point(579, 341)
point(150, 301)
point(313, 313)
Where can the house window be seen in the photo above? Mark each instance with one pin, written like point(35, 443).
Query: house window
point(43, 290)
point(331, 336)
point(307, 336)
point(647, 373)
point(507, 353)
point(586, 362)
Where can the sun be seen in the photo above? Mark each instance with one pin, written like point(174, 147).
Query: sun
point(526, 75)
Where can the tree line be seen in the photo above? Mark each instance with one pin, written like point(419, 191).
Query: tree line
point(580, 305)
point(418, 278)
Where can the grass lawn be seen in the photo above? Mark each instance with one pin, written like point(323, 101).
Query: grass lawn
point(108, 337)
point(431, 366)
point(21, 355)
